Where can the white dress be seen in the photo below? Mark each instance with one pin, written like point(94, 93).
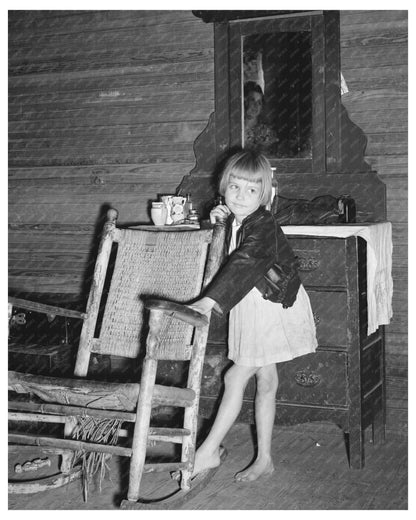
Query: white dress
point(262, 332)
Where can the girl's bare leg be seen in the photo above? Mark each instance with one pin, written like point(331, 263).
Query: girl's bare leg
point(265, 409)
point(235, 382)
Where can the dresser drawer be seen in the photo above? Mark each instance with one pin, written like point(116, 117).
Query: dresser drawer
point(330, 315)
point(314, 379)
point(322, 261)
point(317, 379)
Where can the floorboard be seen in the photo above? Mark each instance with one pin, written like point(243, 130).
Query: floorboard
point(312, 473)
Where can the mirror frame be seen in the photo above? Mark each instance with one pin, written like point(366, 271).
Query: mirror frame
point(324, 28)
point(338, 144)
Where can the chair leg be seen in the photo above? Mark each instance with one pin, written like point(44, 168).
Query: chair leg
point(139, 444)
point(189, 444)
point(191, 413)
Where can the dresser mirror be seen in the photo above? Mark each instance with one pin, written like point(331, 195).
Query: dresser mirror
point(278, 88)
point(277, 93)
point(276, 80)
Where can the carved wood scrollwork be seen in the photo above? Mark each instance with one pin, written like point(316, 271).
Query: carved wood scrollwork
point(306, 379)
point(308, 264)
point(336, 144)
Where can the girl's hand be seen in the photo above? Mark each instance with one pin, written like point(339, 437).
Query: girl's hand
point(220, 212)
point(204, 305)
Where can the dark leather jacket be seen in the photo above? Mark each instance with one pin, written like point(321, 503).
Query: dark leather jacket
point(263, 259)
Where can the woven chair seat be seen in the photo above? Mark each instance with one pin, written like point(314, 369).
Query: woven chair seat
point(151, 264)
point(94, 394)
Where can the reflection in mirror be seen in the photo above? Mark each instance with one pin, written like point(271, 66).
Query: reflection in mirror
point(277, 76)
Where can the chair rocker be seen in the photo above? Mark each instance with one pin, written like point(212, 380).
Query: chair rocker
point(153, 269)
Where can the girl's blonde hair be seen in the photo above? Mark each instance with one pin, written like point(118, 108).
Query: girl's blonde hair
point(250, 166)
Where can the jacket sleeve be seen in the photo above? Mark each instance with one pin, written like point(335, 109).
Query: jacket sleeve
point(244, 267)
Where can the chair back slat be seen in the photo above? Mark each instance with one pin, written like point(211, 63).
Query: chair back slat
point(158, 264)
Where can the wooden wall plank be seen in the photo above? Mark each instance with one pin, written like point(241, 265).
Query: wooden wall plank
point(389, 77)
point(79, 194)
point(374, 62)
point(104, 108)
point(53, 283)
point(149, 112)
point(360, 56)
point(374, 34)
point(108, 172)
point(113, 98)
point(86, 42)
point(72, 61)
point(389, 165)
point(144, 156)
point(105, 81)
point(387, 143)
point(72, 21)
point(365, 17)
point(376, 99)
point(144, 133)
point(396, 343)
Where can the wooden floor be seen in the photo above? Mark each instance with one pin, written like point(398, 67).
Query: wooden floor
point(312, 473)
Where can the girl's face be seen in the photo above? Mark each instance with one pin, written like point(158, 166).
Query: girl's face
point(242, 197)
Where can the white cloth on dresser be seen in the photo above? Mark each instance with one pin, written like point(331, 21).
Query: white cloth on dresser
point(262, 332)
point(378, 236)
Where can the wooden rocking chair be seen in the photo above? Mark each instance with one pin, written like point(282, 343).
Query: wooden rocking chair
point(152, 269)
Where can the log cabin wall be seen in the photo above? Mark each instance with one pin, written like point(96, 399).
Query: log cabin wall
point(374, 63)
point(105, 107)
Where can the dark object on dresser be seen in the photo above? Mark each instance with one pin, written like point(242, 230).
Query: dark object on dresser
point(320, 210)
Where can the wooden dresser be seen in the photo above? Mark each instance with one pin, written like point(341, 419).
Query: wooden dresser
point(344, 381)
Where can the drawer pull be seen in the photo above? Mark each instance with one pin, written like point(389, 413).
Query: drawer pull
point(304, 379)
point(308, 264)
point(316, 318)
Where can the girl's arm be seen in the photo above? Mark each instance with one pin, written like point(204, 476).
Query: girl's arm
point(205, 304)
point(245, 266)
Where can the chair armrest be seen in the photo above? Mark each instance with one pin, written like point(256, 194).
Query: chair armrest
point(46, 309)
point(179, 311)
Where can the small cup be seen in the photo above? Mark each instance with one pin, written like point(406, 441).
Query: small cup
point(158, 213)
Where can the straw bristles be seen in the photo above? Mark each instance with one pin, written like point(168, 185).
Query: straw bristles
point(100, 431)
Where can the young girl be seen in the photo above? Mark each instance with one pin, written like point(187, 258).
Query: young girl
point(262, 331)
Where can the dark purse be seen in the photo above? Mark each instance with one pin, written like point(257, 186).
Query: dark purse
point(277, 281)
point(320, 210)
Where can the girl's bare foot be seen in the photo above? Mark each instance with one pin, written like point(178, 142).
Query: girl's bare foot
point(259, 468)
point(206, 460)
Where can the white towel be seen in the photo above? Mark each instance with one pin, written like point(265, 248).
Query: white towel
point(379, 264)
